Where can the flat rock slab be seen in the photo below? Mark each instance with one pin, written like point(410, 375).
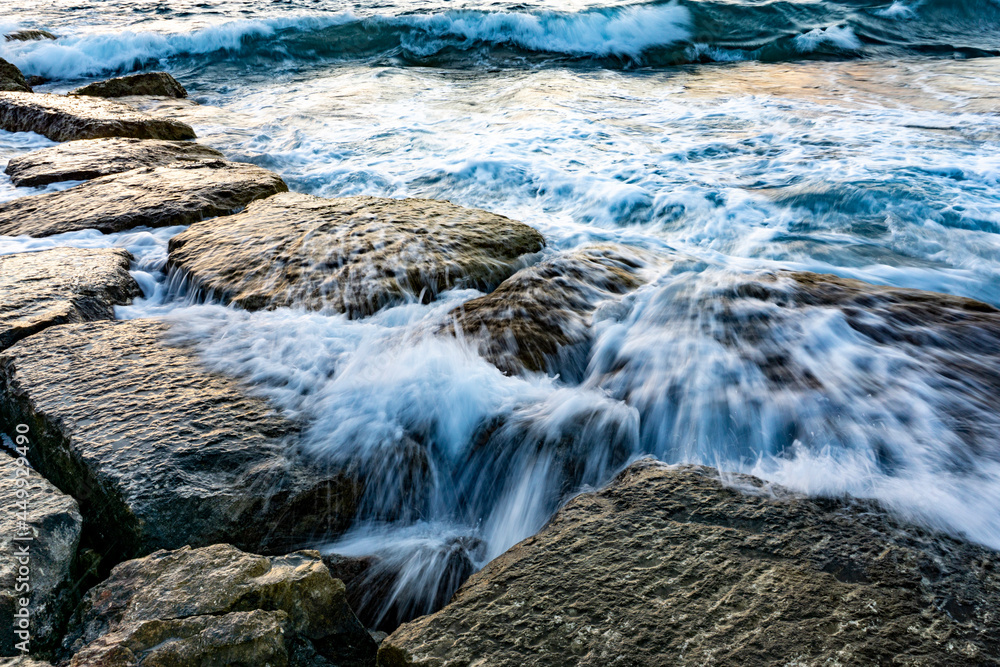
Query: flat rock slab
point(62, 285)
point(159, 451)
point(11, 78)
point(667, 566)
point(353, 255)
point(148, 83)
point(219, 606)
point(39, 529)
point(92, 158)
point(64, 118)
point(29, 35)
point(545, 310)
point(178, 194)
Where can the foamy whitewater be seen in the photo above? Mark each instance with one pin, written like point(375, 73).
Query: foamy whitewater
point(859, 139)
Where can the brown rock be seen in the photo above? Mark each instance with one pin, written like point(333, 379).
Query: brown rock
point(61, 285)
point(353, 255)
point(63, 118)
point(29, 35)
point(148, 83)
point(92, 158)
point(669, 566)
point(177, 194)
point(11, 78)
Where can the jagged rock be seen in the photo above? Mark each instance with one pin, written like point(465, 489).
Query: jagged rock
point(92, 158)
point(148, 83)
point(352, 255)
point(61, 285)
point(668, 566)
point(64, 118)
point(29, 35)
point(23, 661)
point(159, 451)
point(12, 79)
point(39, 530)
point(545, 309)
point(177, 194)
point(219, 606)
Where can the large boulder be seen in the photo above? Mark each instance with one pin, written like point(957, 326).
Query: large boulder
point(39, 535)
point(544, 311)
point(176, 194)
point(160, 452)
point(147, 83)
point(11, 78)
point(29, 35)
point(64, 118)
point(61, 285)
point(219, 606)
point(92, 158)
point(668, 565)
point(352, 255)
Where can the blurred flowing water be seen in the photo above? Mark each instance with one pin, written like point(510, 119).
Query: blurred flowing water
point(726, 139)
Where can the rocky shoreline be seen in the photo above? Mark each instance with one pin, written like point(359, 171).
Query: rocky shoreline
point(171, 507)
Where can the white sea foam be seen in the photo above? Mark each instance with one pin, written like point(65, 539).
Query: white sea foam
point(840, 36)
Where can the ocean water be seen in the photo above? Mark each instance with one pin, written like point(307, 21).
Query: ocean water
point(858, 138)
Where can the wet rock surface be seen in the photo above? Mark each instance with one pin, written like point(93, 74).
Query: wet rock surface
point(178, 194)
point(352, 255)
point(11, 78)
point(148, 83)
point(40, 529)
point(28, 35)
point(667, 565)
point(64, 118)
point(219, 606)
point(58, 286)
point(159, 451)
point(92, 158)
point(546, 309)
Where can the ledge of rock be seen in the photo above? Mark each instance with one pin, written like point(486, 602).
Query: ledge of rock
point(11, 78)
point(177, 194)
point(219, 606)
point(668, 566)
point(64, 118)
point(29, 35)
point(545, 310)
point(61, 285)
point(353, 255)
point(43, 524)
point(159, 452)
point(92, 158)
point(148, 83)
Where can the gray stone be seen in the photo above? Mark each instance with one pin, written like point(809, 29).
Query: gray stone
point(58, 286)
point(177, 194)
point(545, 310)
point(29, 35)
point(159, 451)
point(218, 606)
point(353, 255)
point(148, 83)
point(92, 158)
point(64, 118)
point(667, 565)
point(11, 78)
point(44, 521)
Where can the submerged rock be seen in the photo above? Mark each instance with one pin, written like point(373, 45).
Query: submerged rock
point(545, 309)
point(40, 532)
point(353, 255)
point(177, 194)
point(92, 158)
point(159, 451)
point(63, 118)
point(148, 83)
point(219, 606)
point(61, 285)
point(29, 35)
point(667, 565)
point(11, 78)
